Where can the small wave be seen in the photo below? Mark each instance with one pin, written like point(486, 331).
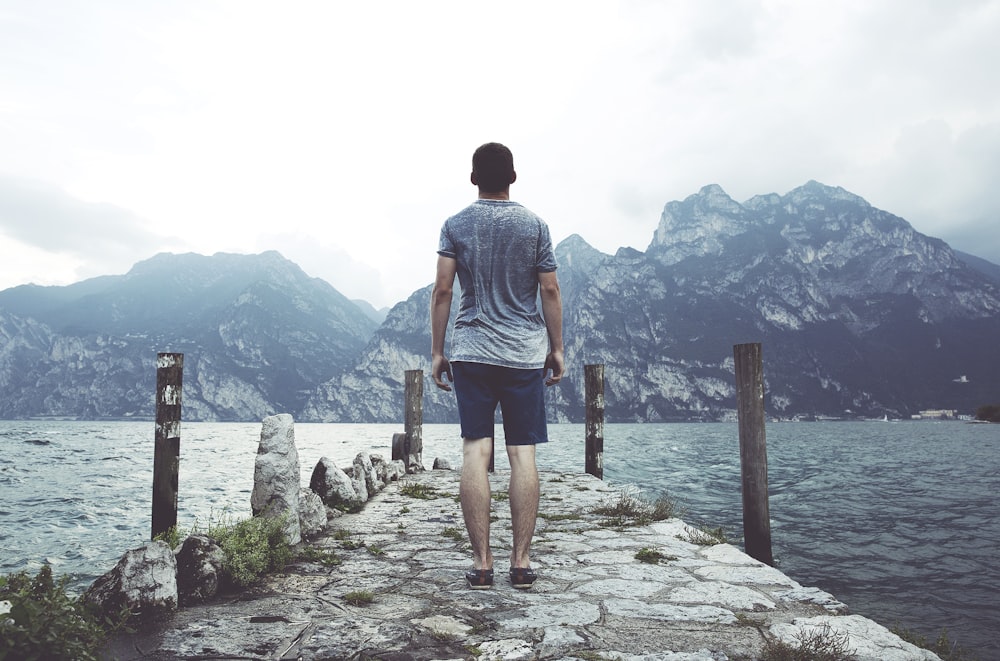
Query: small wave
point(37, 441)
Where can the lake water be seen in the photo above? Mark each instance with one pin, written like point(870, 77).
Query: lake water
point(898, 520)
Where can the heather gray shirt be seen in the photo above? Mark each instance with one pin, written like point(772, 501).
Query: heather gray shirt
point(500, 247)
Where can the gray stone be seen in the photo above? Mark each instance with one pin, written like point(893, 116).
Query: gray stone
point(334, 486)
point(867, 640)
point(144, 581)
point(364, 470)
point(359, 485)
point(400, 467)
point(276, 475)
point(441, 464)
point(199, 569)
point(312, 513)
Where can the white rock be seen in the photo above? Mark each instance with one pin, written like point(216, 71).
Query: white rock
point(312, 513)
point(363, 469)
point(738, 597)
point(144, 581)
point(276, 475)
point(333, 486)
point(867, 640)
point(669, 612)
point(508, 649)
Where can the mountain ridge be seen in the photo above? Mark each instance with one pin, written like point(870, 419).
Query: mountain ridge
point(859, 315)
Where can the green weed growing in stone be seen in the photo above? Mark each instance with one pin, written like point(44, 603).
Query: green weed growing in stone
point(359, 598)
point(652, 556)
point(325, 557)
point(819, 645)
point(500, 496)
point(420, 491)
point(39, 620)
point(172, 536)
point(453, 533)
point(252, 547)
point(351, 544)
point(559, 517)
point(376, 550)
point(630, 510)
point(705, 536)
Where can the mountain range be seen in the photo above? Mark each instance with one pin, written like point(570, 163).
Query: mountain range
point(859, 315)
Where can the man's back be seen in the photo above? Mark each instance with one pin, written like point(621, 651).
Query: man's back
point(500, 247)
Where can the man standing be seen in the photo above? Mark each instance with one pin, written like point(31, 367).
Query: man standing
point(501, 350)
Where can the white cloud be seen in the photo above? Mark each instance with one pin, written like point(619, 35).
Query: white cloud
point(349, 127)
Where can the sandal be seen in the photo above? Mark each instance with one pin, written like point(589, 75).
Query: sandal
point(479, 579)
point(522, 577)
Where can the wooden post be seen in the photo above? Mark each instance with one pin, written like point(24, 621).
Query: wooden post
point(594, 387)
point(167, 443)
point(413, 420)
point(753, 451)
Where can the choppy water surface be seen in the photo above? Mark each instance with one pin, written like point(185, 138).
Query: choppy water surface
point(898, 520)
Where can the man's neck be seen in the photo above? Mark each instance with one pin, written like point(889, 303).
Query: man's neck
point(502, 195)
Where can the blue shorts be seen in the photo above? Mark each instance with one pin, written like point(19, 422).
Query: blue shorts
point(520, 392)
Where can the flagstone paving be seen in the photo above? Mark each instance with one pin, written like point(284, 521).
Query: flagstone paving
point(593, 600)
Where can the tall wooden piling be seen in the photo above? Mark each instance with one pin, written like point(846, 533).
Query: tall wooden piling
point(413, 419)
point(167, 442)
point(753, 451)
point(594, 388)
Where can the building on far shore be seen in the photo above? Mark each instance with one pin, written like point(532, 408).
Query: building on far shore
point(936, 414)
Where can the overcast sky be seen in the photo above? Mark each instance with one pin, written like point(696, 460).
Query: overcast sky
point(341, 133)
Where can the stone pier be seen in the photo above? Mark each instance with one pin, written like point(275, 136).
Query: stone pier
point(399, 592)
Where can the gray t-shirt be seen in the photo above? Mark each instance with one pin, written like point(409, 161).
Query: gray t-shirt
point(500, 247)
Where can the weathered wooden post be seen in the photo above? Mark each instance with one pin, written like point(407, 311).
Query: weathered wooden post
point(413, 420)
point(593, 376)
point(753, 451)
point(167, 443)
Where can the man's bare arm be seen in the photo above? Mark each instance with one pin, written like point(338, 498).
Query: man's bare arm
point(444, 282)
point(548, 286)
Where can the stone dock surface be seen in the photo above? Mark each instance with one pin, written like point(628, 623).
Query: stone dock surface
point(593, 600)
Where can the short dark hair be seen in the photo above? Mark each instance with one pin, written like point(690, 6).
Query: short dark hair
point(493, 167)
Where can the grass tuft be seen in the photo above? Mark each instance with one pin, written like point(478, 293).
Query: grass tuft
point(705, 536)
point(632, 510)
point(419, 491)
point(820, 645)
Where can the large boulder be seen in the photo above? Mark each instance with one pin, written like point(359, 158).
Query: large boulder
point(144, 581)
point(276, 475)
point(312, 513)
point(199, 569)
point(334, 486)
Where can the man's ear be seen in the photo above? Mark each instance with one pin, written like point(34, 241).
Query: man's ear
point(513, 176)
point(472, 178)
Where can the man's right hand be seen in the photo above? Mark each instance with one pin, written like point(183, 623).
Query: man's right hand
point(440, 367)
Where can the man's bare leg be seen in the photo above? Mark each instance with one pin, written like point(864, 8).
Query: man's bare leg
point(523, 493)
point(474, 492)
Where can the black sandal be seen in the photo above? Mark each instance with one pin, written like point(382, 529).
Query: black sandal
point(522, 577)
point(479, 579)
